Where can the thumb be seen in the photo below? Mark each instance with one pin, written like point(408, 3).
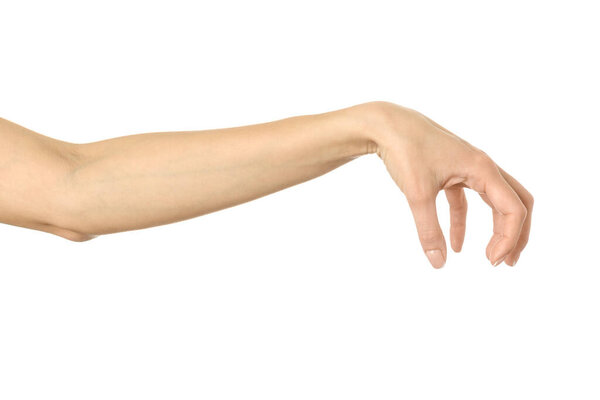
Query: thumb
point(428, 227)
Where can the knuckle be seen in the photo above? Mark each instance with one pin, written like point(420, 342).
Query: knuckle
point(417, 197)
point(418, 194)
point(457, 225)
point(459, 208)
point(419, 201)
point(528, 200)
point(481, 160)
point(428, 237)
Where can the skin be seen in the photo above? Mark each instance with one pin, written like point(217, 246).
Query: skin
point(81, 191)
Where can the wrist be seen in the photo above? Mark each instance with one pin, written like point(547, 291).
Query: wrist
point(363, 127)
point(380, 123)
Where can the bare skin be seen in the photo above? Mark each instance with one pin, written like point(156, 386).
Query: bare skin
point(81, 191)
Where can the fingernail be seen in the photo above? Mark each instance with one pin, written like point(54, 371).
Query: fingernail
point(499, 261)
point(516, 259)
point(435, 258)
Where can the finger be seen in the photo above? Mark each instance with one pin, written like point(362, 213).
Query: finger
point(497, 235)
point(485, 177)
point(527, 200)
point(458, 216)
point(428, 227)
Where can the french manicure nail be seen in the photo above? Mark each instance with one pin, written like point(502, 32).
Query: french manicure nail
point(435, 258)
point(499, 261)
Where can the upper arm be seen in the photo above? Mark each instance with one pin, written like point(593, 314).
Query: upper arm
point(34, 172)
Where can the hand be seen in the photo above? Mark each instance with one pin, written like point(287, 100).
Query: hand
point(423, 158)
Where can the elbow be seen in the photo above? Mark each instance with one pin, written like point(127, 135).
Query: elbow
point(72, 225)
point(37, 189)
point(64, 230)
point(81, 237)
point(74, 236)
point(67, 223)
point(69, 219)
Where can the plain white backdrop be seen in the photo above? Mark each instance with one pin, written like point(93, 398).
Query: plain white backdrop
point(320, 291)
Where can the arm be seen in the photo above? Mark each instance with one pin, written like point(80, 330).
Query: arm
point(79, 191)
point(138, 181)
point(151, 179)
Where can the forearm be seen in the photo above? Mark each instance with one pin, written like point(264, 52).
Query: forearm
point(151, 179)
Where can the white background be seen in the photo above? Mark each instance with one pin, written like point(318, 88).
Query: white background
point(320, 291)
